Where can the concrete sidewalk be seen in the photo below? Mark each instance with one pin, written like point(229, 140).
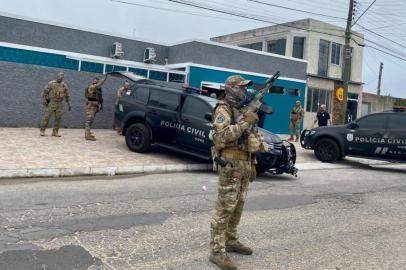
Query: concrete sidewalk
point(23, 153)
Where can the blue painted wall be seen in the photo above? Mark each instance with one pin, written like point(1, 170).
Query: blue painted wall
point(278, 122)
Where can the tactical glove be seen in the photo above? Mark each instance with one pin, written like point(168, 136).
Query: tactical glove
point(251, 118)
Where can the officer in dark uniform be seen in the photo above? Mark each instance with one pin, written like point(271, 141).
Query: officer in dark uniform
point(322, 117)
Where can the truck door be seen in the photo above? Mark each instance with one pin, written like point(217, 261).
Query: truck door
point(396, 136)
point(195, 128)
point(163, 114)
point(368, 137)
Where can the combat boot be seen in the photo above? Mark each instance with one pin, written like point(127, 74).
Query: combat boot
point(222, 260)
point(297, 139)
point(90, 137)
point(42, 132)
point(240, 248)
point(291, 138)
point(55, 133)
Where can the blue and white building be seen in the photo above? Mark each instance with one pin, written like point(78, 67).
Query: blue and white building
point(32, 52)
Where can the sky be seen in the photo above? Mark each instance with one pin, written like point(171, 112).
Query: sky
point(164, 21)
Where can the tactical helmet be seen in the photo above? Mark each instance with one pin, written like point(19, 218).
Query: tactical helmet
point(236, 90)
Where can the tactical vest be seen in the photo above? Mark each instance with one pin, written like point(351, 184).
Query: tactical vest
point(57, 92)
point(95, 96)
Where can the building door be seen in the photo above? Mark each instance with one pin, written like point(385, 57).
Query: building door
point(352, 107)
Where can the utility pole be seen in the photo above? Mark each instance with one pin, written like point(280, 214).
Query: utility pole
point(341, 118)
point(380, 79)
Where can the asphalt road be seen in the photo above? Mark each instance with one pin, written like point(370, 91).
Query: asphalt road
point(325, 219)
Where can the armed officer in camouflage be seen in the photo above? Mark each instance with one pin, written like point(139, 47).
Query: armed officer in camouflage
point(94, 104)
point(234, 146)
point(53, 95)
point(296, 116)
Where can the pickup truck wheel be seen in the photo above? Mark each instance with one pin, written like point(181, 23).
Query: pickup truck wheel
point(138, 138)
point(327, 150)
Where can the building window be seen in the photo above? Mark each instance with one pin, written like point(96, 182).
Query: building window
point(277, 46)
point(317, 97)
point(323, 57)
point(298, 47)
point(254, 46)
point(157, 75)
point(179, 78)
point(336, 53)
point(112, 68)
point(91, 67)
point(139, 71)
point(294, 92)
point(277, 90)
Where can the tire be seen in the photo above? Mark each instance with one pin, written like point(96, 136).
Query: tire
point(260, 169)
point(138, 138)
point(327, 150)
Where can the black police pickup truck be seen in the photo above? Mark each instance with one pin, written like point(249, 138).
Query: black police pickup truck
point(163, 114)
point(379, 136)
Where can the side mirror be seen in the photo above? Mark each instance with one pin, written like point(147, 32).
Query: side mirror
point(208, 116)
point(352, 125)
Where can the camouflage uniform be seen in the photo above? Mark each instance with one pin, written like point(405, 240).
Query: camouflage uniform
point(54, 94)
point(120, 93)
point(233, 180)
point(296, 116)
point(94, 104)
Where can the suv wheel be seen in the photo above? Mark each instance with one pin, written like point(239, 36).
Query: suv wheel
point(138, 137)
point(327, 150)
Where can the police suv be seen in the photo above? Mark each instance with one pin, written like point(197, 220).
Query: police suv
point(376, 136)
point(163, 114)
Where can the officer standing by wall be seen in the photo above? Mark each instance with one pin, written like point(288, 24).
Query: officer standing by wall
point(94, 104)
point(53, 95)
point(322, 117)
point(296, 116)
point(234, 145)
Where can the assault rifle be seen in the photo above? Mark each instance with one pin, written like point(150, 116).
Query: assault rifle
point(255, 103)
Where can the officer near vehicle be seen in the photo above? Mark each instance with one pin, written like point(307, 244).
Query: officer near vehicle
point(94, 104)
point(53, 95)
point(322, 117)
point(235, 143)
point(296, 116)
point(120, 92)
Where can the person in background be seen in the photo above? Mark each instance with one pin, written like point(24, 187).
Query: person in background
point(53, 95)
point(296, 116)
point(94, 104)
point(322, 117)
point(120, 92)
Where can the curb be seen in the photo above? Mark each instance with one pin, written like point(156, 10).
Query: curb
point(167, 168)
point(107, 171)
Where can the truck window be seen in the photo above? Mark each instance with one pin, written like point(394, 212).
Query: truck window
point(373, 122)
point(141, 94)
point(195, 107)
point(164, 100)
point(397, 121)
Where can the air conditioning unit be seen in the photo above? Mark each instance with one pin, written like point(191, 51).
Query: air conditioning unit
point(149, 56)
point(117, 50)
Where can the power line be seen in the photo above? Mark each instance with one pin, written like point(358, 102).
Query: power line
point(388, 39)
point(175, 10)
point(249, 17)
point(294, 9)
point(364, 12)
point(187, 3)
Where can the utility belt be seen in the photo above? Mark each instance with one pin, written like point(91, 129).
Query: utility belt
point(92, 99)
point(235, 154)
